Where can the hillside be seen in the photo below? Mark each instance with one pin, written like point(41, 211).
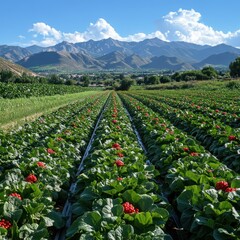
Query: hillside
point(222, 59)
point(59, 62)
point(15, 68)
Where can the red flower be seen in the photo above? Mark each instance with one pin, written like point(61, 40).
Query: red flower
point(222, 185)
point(114, 115)
point(224, 113)
point(129, 208)
point(16, 195)
point(116, 145)
point(5, 224)
point(41, 164)
point(31, 178)
point(120, 154)
point(50, 151)
point(193, 154)
point(229, 189)
point(231, 138)
point(146, 114)
point(118, 127)
point(218, 127)
point(186, 149)
point(114, 121)
point(119, 163)
point(217, 110)
point(119, 178)
point(59, 139)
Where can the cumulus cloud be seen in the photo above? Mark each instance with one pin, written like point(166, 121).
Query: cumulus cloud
point(185, 25)
point(182, 25)
point(50, 34)
point(101, 30)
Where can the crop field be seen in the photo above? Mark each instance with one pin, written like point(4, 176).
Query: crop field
point(134, 165)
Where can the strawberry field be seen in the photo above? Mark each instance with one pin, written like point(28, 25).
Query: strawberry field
point(129, 165)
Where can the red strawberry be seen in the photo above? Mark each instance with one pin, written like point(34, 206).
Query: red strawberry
point(119, 163)
point(222, 185)
point(16, 195)
point(31, 178)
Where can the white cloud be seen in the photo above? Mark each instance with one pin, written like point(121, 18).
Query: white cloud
point(21, 37)
point(46, 30)
point(182, 25)
point(101, 30)
point(185, 25)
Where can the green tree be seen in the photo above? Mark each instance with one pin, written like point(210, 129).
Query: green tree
point(235, 68)
point(85, 80)
point(125, 84)
point(148, 80)
point(210, 72)
point(6, 76)
point(55, 79)
point(165, 79)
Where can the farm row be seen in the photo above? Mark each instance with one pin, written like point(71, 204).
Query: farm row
point(81, 172)
point(21, 90)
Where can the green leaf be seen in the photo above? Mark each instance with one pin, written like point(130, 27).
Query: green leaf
point(11, 209)
point(92, 219)
point(33, 207)
point(208, 222)
point(79, 208)
point(88, 195)
point(3, 232)
point(192, 176)
point(121, 232)
point(177, 184)
point(117, 210)
point(184, 200)
point(160, 216)
point(145, 203)
point(131, 196)
point(143, 219)
point(89, 222)
point(33, 232)
point(235, 183)
point(211, 194)
point(57, 219)
point(223, 234)
point(74, 228)
point(187, 217)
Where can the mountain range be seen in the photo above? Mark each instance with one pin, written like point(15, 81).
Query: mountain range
point(109, 54)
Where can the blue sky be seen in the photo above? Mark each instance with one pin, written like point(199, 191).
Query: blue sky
point(47, 22)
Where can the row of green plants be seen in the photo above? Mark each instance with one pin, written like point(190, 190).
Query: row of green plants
point(116, 196)
point(229, 115)
point(22, 90)
point(226, 101)
point(15, 142)
point(204, 192)
point(222, 140)
point(35, 187)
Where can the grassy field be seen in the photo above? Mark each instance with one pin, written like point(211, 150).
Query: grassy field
point(14, 112)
